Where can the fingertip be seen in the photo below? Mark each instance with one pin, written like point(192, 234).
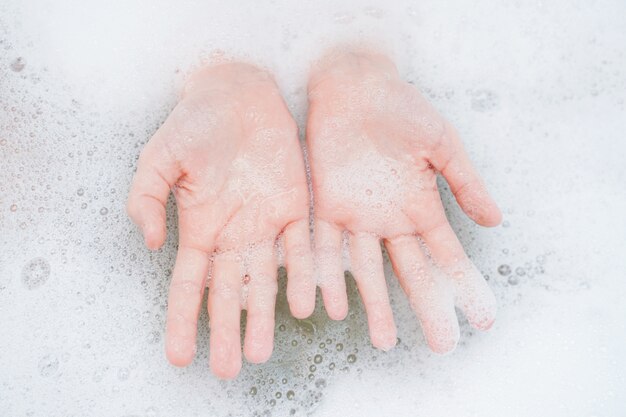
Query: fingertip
point(301, 301)
point(337, 313)
point(154, 235)
point(301, 310)
point(491, 217)
point(443, 339)
point(259, 339)
point(259, 352)
point(477, 302)
point(487, 325)
point(382, 327)
point(226, 370)
point(443, 347)
point(384, 341)
point(180, 351)
point(482, 320)
point(336, 306)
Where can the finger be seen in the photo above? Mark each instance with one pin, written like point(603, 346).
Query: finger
point(431, 300)
point(299, 264)
point(157, 172)
point(262, 289)
point(330, 273)
point(224, 313)
point(367, 268)
point(472, 293)
point(198, 229)
point(468, 188)
point(183, 306)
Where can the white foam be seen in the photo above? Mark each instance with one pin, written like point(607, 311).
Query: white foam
point(537, 92)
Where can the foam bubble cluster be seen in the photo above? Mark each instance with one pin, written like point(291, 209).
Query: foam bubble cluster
point(538, 93)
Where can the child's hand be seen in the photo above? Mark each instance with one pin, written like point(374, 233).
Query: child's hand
point(231, 155)
point(375, 146)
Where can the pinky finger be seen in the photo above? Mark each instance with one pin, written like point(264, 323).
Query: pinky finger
point(431, 301)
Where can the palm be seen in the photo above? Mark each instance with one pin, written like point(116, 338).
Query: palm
point(374, 144)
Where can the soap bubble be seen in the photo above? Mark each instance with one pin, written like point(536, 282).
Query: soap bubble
point(48, 365)
point(504, 270)
point(484, 100)
point(35, 273)
point(123, 374)
point(18, 64)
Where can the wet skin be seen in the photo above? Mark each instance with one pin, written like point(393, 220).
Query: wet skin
point(230, 153)
point(375, 146)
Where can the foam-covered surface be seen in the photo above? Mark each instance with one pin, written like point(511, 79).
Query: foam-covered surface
point(537, 91)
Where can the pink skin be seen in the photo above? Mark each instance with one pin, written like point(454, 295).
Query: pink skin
point(375, 147)
point(231, 155)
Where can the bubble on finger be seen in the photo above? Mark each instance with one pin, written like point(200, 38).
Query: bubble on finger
point(472, 294)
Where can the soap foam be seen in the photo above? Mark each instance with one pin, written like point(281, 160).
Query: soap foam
point(538, 94)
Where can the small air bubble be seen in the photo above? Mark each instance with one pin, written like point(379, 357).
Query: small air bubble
point(484, 100)
point(123, 374)
point(320, 383)
point(35, 273)
point(317, 359)
point(48, 365)
point(290, 395)
point(513, 280)
point(154, 337)
point(458, 274)
point(18, 64)
point(104, 211)
point(351, 358)
point(504, 270)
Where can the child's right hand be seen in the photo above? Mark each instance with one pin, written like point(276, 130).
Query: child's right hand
point(231, 154)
